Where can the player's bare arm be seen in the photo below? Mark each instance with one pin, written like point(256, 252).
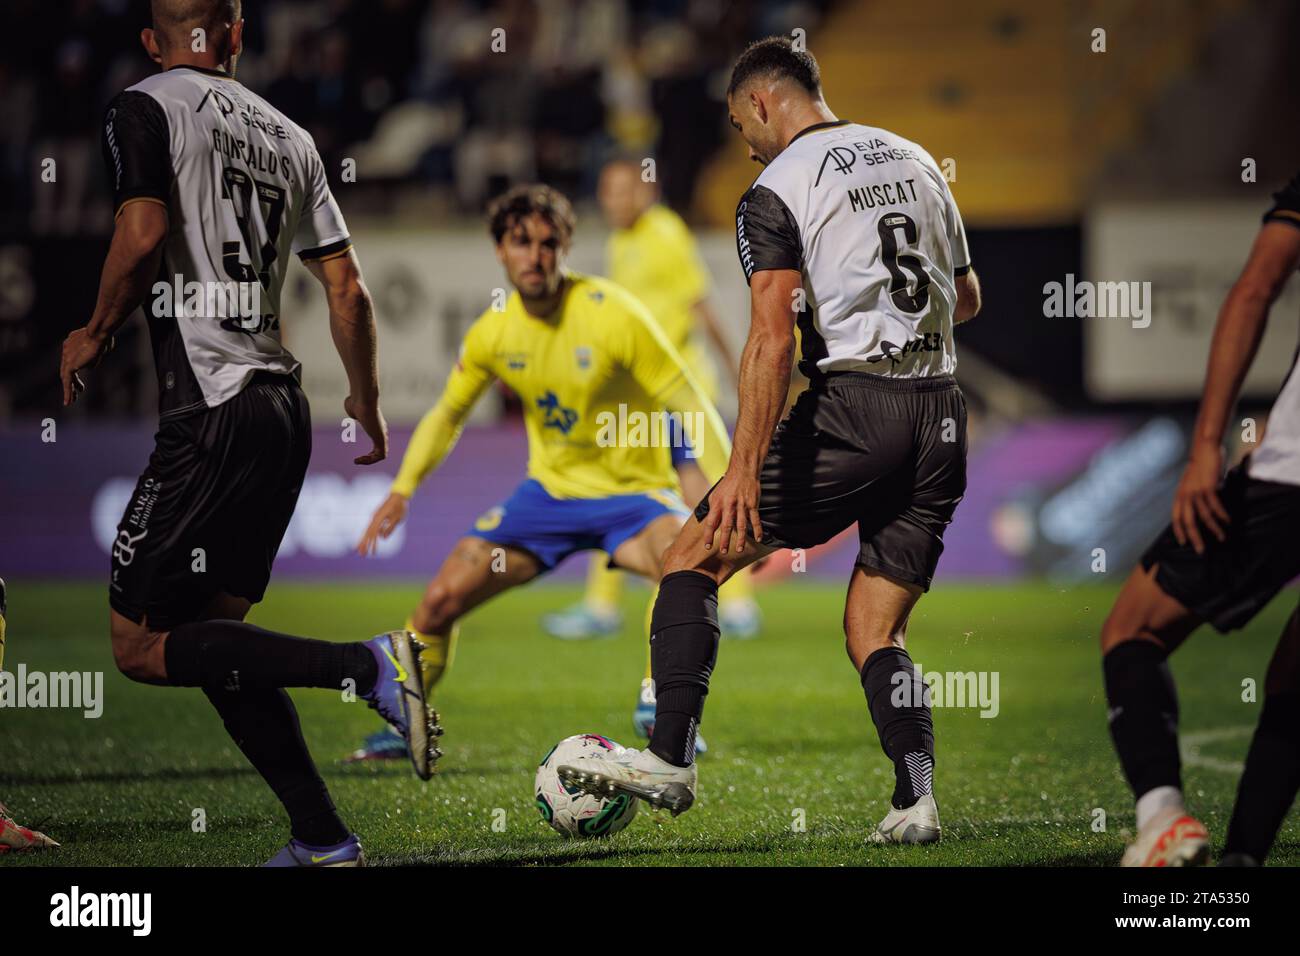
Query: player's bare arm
point(1237, 334)
point(764, 373)
point(352, 324)
point(969, 297)
point(129, 269)
point(707, 316)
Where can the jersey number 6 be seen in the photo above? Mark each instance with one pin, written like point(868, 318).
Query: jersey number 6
point(896, 263)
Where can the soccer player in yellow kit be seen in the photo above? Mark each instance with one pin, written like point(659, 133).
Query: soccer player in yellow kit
point(595, 374)
point(653, 255)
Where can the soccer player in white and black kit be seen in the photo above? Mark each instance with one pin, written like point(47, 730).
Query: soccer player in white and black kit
point(1230, 547)
point(853, 230)
point(214, 190)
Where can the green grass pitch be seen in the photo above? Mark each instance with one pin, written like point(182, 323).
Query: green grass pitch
point(795, 775)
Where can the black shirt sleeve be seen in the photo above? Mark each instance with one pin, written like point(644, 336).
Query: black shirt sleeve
point(767, 236)
point(1286, 204)
point(137, 148)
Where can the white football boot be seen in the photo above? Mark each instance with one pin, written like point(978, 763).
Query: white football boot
point(919, 823)
point(1172, 838)
point(636, 772)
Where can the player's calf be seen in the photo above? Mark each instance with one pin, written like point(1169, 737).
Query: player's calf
point(683, 651)
point(137, 651)
point(438, 610)
point(1142, 629)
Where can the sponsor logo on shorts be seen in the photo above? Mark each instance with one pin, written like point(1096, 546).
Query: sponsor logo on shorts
point(490, 519)
point(137, 517)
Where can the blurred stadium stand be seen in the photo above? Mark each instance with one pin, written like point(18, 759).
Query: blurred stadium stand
point(1122, 165)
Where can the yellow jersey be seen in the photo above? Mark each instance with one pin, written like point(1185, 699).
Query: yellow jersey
point(594, 377)
point(658, 261)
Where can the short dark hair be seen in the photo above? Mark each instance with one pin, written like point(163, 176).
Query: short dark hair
point(776, 57)
point(174, 21)
point(520, 202)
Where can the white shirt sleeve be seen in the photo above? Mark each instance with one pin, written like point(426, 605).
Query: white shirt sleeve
point(321, 231)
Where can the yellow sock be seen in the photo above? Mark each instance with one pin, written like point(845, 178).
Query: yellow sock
point(439, 651)
point(738, 588)
point(604, 585)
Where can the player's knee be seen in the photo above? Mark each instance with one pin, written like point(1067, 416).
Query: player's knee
point(137, 654)
point(1121, 625)
point(676, 558)
point(438, 610)
point(861, 641)
point(1112, 632)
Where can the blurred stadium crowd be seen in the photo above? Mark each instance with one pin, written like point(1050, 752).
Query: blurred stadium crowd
point(409, 88)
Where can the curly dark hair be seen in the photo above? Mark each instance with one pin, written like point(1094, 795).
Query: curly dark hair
point(776, 56)
point(520, 202)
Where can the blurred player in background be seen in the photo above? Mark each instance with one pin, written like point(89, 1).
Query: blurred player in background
point(215, 189)
point(574, 349)
point(653, 255)
point(13, 836)
point(1230, 547)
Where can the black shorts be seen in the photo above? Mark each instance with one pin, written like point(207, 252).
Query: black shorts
point(888, 454)
point(208, 514)
point(1234, 579)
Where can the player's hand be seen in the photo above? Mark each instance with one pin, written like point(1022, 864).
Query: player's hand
point(372, 421)
point(1196, 501)
point(733, 510)
point(385, 521)
point(80, 350)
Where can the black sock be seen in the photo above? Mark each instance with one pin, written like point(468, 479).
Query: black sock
point(683, 650)
point(1143, 714)
point(1272, 776)
point(264, 725)
point(899, 702)
point(236, 655)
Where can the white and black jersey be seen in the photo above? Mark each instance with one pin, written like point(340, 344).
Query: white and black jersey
point(1278, 455)
point(868, 219)
point(1231, 580)
point(244, 188)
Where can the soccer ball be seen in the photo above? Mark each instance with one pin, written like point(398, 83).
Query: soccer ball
point(568, 810)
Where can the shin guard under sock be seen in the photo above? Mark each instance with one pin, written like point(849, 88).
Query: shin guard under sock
point(1143, 715)
point(683, 651)
point(235, 655)
point(899, 701)
point(264, 725)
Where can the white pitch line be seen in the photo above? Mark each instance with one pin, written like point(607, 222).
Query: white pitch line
point(1190, 744)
